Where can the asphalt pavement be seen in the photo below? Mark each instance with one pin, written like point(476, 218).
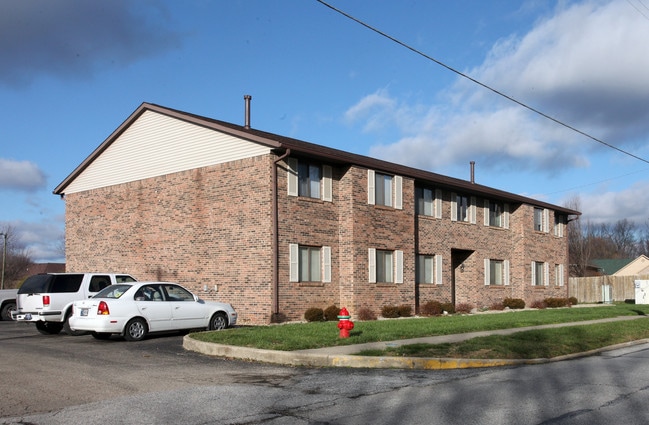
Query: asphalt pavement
point(344, 356)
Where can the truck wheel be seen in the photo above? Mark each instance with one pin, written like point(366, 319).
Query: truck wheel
point(5, 314)
point(67, 330)
point(49, 328)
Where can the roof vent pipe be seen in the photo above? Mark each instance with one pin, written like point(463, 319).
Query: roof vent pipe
point(247, 99)
point(472, 171)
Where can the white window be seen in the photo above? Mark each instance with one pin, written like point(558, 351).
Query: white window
point(496, 214)
point(558, 275)
point(310, 263)
point(384, 189)
point(310, 180)
point(385, 266)
point(541, 219)
point(429, 202)
point(559, 224)
point(429, 269)
point(463, 208)
point(540, 273)
point(496, 272)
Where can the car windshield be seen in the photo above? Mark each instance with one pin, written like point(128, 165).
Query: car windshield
point(113, 291)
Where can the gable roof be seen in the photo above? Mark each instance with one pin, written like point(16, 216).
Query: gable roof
point(610, 266)
point(281, 144)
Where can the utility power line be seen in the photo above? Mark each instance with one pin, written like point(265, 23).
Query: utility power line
point(510, 98)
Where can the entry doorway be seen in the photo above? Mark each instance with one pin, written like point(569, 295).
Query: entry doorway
point(459, 267)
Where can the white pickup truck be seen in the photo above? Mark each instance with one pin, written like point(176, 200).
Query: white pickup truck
point(46, 299)
point(7, 303)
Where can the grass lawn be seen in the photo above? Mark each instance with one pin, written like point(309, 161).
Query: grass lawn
point(537, 343)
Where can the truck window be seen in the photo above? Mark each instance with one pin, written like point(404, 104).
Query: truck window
point(99, 282)
point(37, 284)
point(66, 283)
point(123, 278)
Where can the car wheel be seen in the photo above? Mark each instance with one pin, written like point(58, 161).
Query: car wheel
point(67, 330)
point(49, 328)
point(218, 321)
point(100, 335)
point(135, 330)
point(6, 311)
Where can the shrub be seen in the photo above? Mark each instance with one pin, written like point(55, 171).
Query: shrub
point(449, 308)
point(314, 314)
point(538, 304)
point(556, 302)
point(331, 313)
point(390, 311)
point(431, 308)
point(463, 308)
point(366, 314)
point(404, 310)
point(573, 300)
point(514, 303)
point(497, 306)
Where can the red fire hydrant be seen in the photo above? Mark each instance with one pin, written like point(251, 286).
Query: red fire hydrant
point(344, 324)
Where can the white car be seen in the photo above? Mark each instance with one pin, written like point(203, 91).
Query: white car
point(135, 309)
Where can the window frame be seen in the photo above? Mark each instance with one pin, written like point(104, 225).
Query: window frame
point(295, 263)
point(376, 185)
point(294, 184)
point(376, 268)
point(491, 267)
point(540, 274)
point(429, 206)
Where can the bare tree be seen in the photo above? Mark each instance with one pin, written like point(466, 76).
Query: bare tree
point(17, 258)
point(578, 247)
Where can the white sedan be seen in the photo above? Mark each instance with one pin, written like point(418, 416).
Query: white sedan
point(137, 308)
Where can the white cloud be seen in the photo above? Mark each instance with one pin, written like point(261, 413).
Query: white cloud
point(609, 206)
point(21, 175)
point(42, 240)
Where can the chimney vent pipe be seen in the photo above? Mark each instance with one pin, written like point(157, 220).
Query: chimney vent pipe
point(472, 171)
point(247, 99)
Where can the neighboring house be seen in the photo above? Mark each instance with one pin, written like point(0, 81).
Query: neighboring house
point(275, 225)
point(624, 267)
point(610, 266)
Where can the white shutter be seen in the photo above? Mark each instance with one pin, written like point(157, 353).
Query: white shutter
point(371, 258)
point(486, 212)
point(294, 260)
point(326, 183)
point(506, 216)
point(326, 264)
point(546, 220)
point(292, 176)
point(533, 273)
point(472, 209)
point(398, 266)
point(546, 274)
point(561, 281)
point(438, 203)
point(438, 269)
point(370, 187)
point(487, 270)
point(453, 207)
point(398, 192)
point(506, 272)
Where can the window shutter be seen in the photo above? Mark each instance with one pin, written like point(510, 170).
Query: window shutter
point(486, 212)
point(453, 207)
point(472, 209)
point(398, 266)
point(326, 264)
point(438, 203)
point(561, 281)
point(371, 257)
point(506, 272)
point(546, 220)
point(326, 183)
point(294, 258)
point(506, 216)
point(398, 192)
point(292, 176)
point(533, 273)
point(546, 274)
point(487, 271)
point(370, 187)
point(438, 269)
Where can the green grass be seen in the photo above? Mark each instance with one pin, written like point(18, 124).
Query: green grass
point(299, 336)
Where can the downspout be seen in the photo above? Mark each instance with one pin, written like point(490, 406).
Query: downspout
point(275, 214)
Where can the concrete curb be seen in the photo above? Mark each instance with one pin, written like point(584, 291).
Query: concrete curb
point(322, 358)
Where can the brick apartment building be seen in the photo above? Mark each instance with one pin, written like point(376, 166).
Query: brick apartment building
point(275, 225)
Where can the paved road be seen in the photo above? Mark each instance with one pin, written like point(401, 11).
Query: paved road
point(75, 380)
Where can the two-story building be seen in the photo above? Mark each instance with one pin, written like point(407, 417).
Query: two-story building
point(275, 225)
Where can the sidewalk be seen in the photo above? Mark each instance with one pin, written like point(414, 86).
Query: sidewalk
point(343, 356)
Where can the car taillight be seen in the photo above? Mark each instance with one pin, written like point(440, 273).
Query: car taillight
point(46, 300)
point(103, 308)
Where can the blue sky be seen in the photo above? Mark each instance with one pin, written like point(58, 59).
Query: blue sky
point(71, 71)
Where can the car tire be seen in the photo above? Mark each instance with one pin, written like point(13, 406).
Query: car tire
point(100, 335)
point(49, 328)
point(135, 330)
point(218, 321)
point(5, 314)
point(67, 330)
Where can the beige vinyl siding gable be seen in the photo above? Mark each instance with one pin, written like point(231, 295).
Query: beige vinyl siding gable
point(156, 145)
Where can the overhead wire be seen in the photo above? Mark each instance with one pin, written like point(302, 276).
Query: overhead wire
point(481, 84)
